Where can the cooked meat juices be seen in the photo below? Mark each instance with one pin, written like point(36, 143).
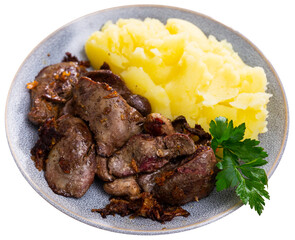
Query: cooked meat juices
point(51, 89)
point(110, 118)
point(71, 165)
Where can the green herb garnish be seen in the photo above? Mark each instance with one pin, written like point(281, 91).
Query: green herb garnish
point(239, 163)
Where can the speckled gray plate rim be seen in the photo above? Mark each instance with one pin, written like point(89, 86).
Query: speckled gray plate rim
point(21, 134)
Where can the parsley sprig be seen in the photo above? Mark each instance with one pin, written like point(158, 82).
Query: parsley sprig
point(239, 163)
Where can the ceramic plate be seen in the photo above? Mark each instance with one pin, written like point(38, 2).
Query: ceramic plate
point(22, 134)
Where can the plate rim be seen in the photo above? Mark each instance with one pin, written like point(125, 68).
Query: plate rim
point(146, 232)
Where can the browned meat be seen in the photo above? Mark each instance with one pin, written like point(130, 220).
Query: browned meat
point(68, 108)
point(140, 103)
point(48, 136)
point(71, 165)
point(139, 154)
point(146, 206)
point(71, 58)
point(180, 125)
point(102, 169)
point(123, 187)
point(178, 183)
point(158, 125)
point(110, 118)
point(105, 66)
point(135, 149)
point(105, 75)
point(147, 181)
point(144, 153)
point(178, 144)
point(51, 89)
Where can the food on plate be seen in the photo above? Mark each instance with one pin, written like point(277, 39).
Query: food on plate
point(97, 131)
point(239, 163)
point(105, 75)
point(51, 89)
point(102, 169)
point(181, 71)
point(70, 166)
point(145, 206)
point(189, 179)
point(109, 116)
point(201, 137)
point(140, 122)
point(123, 187)
point(158, 125)
point(69, 163)
point(145, 153)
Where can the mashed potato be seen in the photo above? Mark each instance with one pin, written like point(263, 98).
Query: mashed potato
point(183, 72)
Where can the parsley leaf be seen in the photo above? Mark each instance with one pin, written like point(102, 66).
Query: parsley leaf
point(229, 176)
point(239, 163)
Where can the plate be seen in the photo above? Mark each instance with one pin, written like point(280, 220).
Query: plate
point(22, 135)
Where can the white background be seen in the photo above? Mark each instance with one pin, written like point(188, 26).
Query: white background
point(268, 24)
